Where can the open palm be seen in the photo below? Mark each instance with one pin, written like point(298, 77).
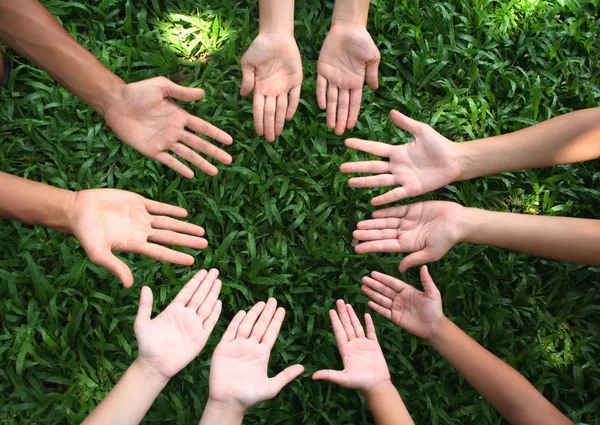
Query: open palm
point(348, 58)
point(414, 311)
point(428, 230)
point(147, 119)
point(110, 220)
point(425, 164)
point(272, 67)
point(171, 340)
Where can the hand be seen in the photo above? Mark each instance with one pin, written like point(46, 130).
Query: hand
point(174, 338)
point(348, 58)
point(147, 120)
point(109, 220)
point(273, 69)
point(365, 368)
point(419, 313)
point(238, 371)
point(425, 164)
point(427, 229)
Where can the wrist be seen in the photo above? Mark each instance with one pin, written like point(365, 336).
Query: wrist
point(60, 215)
point(470, 224)
point(466, 159)
point(229, 413)
point(382, 389)
point(439, 330)
point(150, 374)
point(111, 93)
point(351, 13)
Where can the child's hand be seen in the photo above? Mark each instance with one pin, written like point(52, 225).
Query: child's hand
point(176, 336)
point(238, 371)
point(417, 312)
point(365, 368)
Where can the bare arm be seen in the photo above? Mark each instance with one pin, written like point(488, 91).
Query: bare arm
point(387, 406)
point(351, 12)
point(276, 16)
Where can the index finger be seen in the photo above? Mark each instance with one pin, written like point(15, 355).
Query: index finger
point(374, 148)
point(201, 126)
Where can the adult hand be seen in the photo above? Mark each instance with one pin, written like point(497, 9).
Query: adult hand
point(425, 164)
point(417, 312)
point(273, 69)
point(365, 368)
point(427, 229)
point(109, 220)
point(348, 58)
point(147, 119)
point(174, 338)
point(238, 370)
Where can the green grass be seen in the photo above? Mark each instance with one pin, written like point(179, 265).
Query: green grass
point(279, 219)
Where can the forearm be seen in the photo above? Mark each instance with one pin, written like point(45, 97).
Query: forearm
point(502, 386)
point(276, 16)
point(576, 240)
point(569, 138)
point(216, 413)
point(387, 406)
point(30, 29)
point(35, 203)
point(351, 12)
point(130, 399)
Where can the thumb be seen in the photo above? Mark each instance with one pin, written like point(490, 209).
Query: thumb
point(416, 259)
point(247, 79)
point(414, 127)
point(114, 265)
point(372, 77)
point(186, 94)
point(285, 377)
point(428, 283)
point(144, 312)
point(336, 376)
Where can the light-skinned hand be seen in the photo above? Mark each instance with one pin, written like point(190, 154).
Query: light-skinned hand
point(110, 220)
point(419, 313)
point(175, 337)
point(365, 368)
point(150, 122)
point(238, 370)
point(348, 58)
point(272, 67)
point(426, 229)
point(427, 163)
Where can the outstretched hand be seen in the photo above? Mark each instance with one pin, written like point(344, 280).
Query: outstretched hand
point(272, 67)
point(425, 164)
point(174, 338)
point(426, 229)
point(110, 220)
point(148, 120)
point(417, 312)
point(348, 58)
point(365, 368)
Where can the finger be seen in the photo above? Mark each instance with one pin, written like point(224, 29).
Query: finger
point(345, 319)
point(185, 295)
point(165, 255)
point(233, 327)
point(380, 180)
point(383, 289)
point(154, 207)
point(213, 318)
point(332, 99)
point(374, 148)
point(144, 313)
point(258, 111)
point(170, 161)
point(355, 101)
point(205, 147)
point(338, 329)
point(380, 223)
point(168, 223)
point(282, 105)
point(248, 77)
point(336, 376)
point(113, 264)
point(321, 91)
point(375, 235)
point(393, 195)
point(414, 127)
point(416, 259)
point(285, 377)
point(186, 94)
point(385, 312)
point(293, 104)
point(273, 329)
point(269, 124)
point(391, 282)
point(377, 297)
point(428, 283)
point(263, 321)
point(167, 237)
point(373, 167)
point(208, 304)
point(246, 327)
point(396, 212)
point(386, 245)
point(342, 111)
point(189, 155)
point(202, 127)
point(203, 289)
point(356, 325)
point(371, 76)
point(371, 334)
